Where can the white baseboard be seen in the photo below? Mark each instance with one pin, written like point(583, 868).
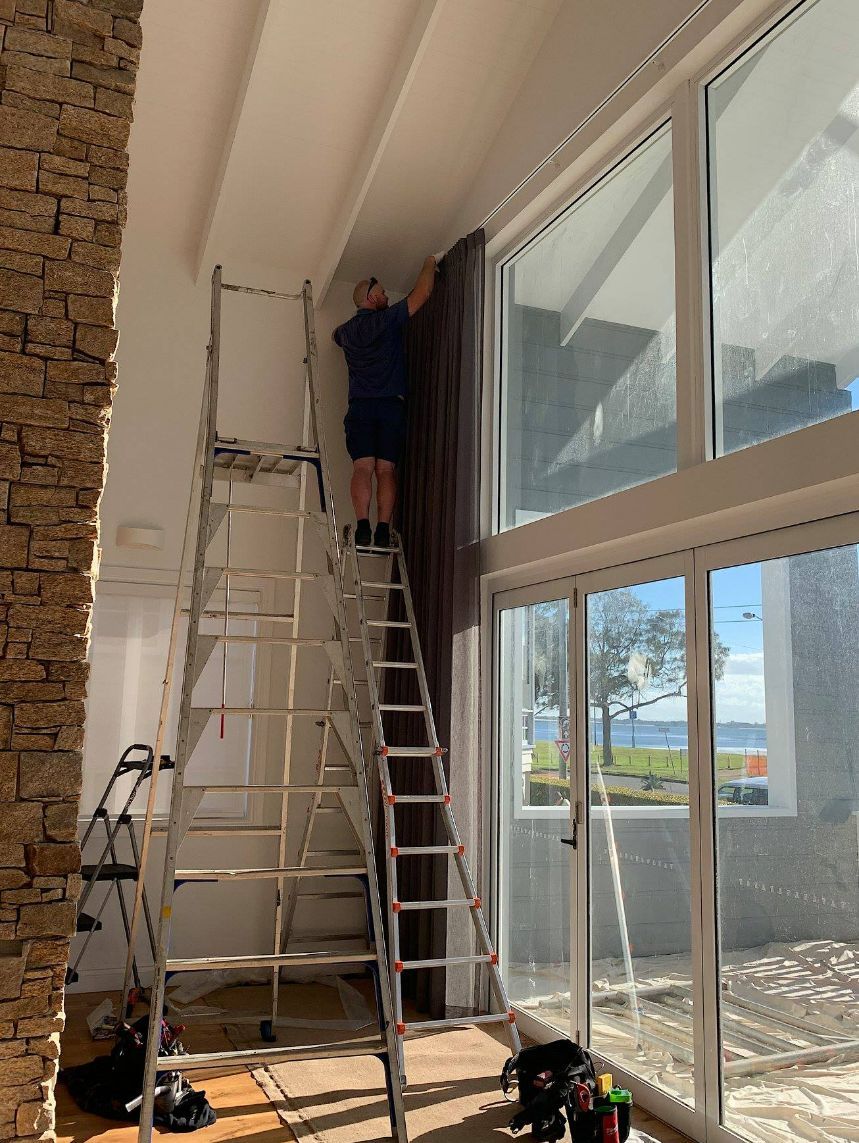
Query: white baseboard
point(107, 979)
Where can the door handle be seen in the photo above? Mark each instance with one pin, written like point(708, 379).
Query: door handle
point(574, 840)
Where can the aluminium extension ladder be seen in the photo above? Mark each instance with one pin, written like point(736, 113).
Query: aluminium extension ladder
point(255, 464)
point(432, 752)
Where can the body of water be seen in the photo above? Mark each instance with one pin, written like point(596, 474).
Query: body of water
point(655, 734)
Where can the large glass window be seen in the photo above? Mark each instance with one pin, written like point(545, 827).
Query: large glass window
point(783, 127)
point(588, 358)
point(787, 864)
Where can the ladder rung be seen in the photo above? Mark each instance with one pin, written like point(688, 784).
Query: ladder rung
point(270, 960)
point(261, 573)
point(442, 961)
point(252, 616)
point(410, 751)
point(199, 1060)
point(435, 1025)
point(352, 595)
point(297, 711)
point(281, 640)
point(412, 906)
point(263, 448)
point(282, 871)
point(401, 623)
point(395, 665)
point(225, 831)
point(382, 584)
point(270, 788)
point(418, 798)
point(371, 551)
point(256, 510)
point(330, 896)
point(422, 850)
point(402, 707)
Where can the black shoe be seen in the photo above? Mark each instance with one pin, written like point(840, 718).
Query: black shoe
point(382, 536)
point(363, 535)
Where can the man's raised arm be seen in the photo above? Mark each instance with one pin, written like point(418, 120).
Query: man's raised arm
point(423, 286)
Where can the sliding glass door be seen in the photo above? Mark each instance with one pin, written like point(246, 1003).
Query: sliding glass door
point(536, 891)
point(677, 876)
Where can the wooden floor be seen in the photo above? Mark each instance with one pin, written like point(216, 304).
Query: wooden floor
point(243, 1110)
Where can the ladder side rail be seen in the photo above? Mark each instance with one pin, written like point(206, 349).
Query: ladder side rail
point(112, 831)
point(398, 1119)
point(289, 729)
point(423, 685)
point(166, 686)
point(388, 802)
point(174, 831)
point(132, 838)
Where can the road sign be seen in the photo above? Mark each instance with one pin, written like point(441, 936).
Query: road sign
point(633, 714)
point(563, 746)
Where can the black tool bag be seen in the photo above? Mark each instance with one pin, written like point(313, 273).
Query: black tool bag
point(111, 1085)
point(547, 1075)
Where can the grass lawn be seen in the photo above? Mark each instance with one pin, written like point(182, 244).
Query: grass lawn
point(642, 761)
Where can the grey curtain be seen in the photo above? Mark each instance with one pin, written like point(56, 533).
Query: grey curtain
point(438, 517)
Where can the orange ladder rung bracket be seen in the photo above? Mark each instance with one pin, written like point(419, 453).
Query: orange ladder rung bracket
point(401, 1029)
point(460, 849)
point(394, 851)
point(398, 966)
point(395, 906)
point(447, 799)
point(392, 799)
point(476, 904)
point(493, 958)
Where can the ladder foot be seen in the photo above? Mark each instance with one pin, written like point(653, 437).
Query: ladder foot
point(266, 1032)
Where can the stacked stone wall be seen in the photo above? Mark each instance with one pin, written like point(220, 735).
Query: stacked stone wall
point(67, 78)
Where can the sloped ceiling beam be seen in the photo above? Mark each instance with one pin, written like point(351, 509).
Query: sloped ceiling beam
point(402, 79)
point(204, 258)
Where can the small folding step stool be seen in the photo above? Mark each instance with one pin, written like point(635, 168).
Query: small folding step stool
point(113, 871)
point(259, 464)
point(392, 559)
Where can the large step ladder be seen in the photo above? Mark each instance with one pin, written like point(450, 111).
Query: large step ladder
point(333, 875)
point(380, 574)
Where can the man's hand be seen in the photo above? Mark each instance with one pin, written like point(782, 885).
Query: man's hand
point(439, 257)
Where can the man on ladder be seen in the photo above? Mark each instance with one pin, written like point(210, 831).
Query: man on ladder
point(375, 421)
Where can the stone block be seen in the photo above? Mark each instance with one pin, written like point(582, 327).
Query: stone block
point(93, 254)
point(22, 263)
point(61, 821)
point(71, 588)
point(12, 974)
point(31, 692)
point(22, 823)
point(24, 221)
point(21, 291)
point(8, 777)
point(13, 546)
point(33, 411)
point(21, 1070)
point(35, 715)
point(73, 278)
point(43, 1025)
point(20, 373)
point(77, 372)
point(129, 8)
point(50, 245)
point(124, 51)
point(77, 227)
point(52, 183)
point(50, 331)
point(101, 211)
point(113, 103)
point(28, 130)
point(115, 79)
point(108, 157)
point(96, 340)
point(70, 148)
point(71, 445)
point(93, 311)
point(42, 85)
point(50, 774)
point(57, 918)
point(88, 126)
point(26, 201)
point(33, 1118)
point(74, 18)
point(37, 43)
point(46, 64)
point(49, 860)
point(18, 169)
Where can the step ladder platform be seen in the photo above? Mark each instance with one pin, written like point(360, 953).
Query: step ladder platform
point(197, 1061)
point(270, 960)
point(110, 871)
point(275, 873)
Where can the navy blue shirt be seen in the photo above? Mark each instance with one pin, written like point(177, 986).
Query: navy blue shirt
point(373, 343)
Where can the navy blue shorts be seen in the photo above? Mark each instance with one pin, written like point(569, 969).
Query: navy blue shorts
point(376, 426)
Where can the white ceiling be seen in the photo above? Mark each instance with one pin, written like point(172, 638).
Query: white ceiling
point(324, 137)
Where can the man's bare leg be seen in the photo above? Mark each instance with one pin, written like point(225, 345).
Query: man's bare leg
point(386, 499)
point(361, 489)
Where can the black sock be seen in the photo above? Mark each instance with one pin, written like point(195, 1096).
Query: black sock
point(382, 538)
point(363, 535)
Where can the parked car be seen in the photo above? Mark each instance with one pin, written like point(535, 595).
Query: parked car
point(745, 791)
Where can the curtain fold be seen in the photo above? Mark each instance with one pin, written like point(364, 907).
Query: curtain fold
point(438, 516)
